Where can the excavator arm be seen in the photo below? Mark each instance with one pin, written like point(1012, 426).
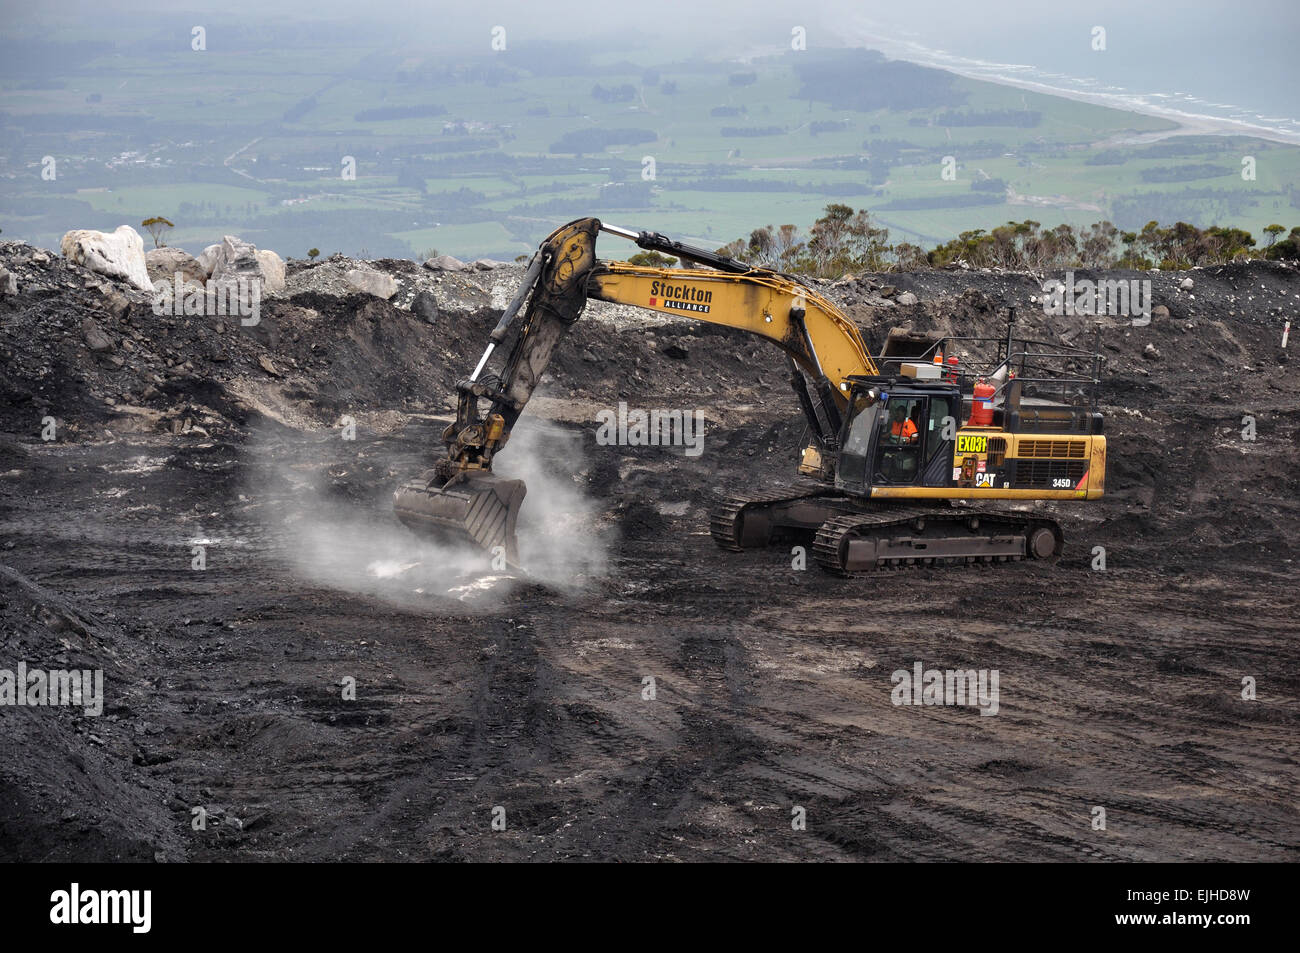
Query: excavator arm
point(824, 346)
point(461, 498)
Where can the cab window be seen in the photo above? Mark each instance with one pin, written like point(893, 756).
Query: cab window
point(862, 426)
point(898, 459)
point(905, 420)
point(940, 409)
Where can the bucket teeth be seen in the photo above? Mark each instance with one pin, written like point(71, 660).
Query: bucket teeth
point(479, 508)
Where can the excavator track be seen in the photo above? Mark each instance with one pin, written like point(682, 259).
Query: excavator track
point(912, 536)
point(727, 518)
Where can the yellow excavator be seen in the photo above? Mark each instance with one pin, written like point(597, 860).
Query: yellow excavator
point(896, 443)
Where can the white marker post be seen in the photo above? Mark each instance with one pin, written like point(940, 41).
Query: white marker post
point(1286, 330)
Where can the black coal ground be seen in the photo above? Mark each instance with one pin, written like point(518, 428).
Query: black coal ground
point(1119, 689)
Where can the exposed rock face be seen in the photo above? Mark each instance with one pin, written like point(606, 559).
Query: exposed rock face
point(372, 282)
point(235, 258)
point(445, 263)
point(117, 255)
point(164, 263)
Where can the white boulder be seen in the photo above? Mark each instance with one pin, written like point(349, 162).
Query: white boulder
point(272, 267)
point(445, 263)
point(118, 254)
point(372, 282)
point(208, 259)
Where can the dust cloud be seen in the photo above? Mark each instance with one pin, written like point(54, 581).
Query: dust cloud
point(327, 505)
point(564, 541)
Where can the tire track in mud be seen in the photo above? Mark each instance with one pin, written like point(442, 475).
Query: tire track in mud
point(1031, 839)
point(1061, 691)
point(662, 766)
point(500, 734)
point(639, 763)
point(727, 757)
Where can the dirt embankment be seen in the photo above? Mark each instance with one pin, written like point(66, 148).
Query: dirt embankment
point(1121, 688)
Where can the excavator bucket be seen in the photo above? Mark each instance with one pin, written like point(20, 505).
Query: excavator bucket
point(474, 507)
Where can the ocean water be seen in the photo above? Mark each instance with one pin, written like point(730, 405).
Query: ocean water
point(1216, 61)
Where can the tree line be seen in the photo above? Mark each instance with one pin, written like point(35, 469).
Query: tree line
point(844, 241)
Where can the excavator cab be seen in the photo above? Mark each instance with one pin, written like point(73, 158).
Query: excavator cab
point(897, 436)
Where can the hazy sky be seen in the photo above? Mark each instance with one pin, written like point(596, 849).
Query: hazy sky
point(1223, 51)
point(1225, 48)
